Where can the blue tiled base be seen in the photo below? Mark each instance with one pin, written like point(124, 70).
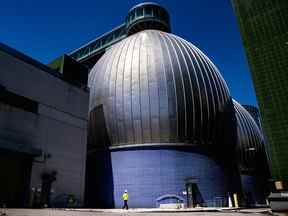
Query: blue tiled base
point(150, 174)
point(254, 189)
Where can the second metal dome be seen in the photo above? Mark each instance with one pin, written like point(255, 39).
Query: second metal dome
point(250, 140)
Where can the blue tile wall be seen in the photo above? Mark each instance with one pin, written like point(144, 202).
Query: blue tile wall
point(255, 189)
point(149, 174)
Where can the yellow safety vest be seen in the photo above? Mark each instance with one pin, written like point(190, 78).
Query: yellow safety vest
point(125, 196)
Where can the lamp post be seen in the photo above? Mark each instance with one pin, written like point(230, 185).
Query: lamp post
point(32, 196)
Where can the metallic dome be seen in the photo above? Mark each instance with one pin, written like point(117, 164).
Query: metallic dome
point(250, 141)
point(156, 87)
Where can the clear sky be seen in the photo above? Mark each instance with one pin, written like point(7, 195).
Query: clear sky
point(45, 29)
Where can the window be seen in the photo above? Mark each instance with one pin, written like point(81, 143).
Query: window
point(156, 12)
point(148, 11)
point(9, 99)
point(139, 12)
point(132, 15)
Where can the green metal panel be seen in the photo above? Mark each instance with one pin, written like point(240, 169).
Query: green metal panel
point(57, 64)
point(72, 71)
point(264, 30)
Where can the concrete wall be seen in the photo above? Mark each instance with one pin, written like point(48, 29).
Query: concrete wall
point(148, 174)
point(59, 128)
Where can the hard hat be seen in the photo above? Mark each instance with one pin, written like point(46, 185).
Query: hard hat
point(126, 191)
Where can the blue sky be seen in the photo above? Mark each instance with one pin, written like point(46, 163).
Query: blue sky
point(46, 29)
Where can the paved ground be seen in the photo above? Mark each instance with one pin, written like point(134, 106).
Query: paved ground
point(117, 212)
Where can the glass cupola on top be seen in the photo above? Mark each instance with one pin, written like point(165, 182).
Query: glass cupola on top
point(147, 15)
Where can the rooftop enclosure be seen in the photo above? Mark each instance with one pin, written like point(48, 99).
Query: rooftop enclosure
point(143, 16)
point(147, 16)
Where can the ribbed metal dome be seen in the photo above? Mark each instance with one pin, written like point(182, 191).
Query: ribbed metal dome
point(249, 139)
point(156, 87)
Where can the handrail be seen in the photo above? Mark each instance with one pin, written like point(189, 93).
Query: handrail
point(167, 196)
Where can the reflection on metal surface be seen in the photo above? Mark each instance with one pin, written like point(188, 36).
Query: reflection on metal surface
point(156, 87)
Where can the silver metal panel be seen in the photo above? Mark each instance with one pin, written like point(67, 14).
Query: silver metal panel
point(189, 93)
point(178, 82)
point(111, 107)
point(144, 91)
point(162, 89)
point(196, 91)
point(135, 92)
point(127, 103)
point(171, 91)
point(153, 90)
point(118, 100)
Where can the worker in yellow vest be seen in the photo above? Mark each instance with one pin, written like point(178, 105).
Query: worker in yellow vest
point(125, 199)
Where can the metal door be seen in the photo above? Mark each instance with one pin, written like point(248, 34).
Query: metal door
point(191, 195)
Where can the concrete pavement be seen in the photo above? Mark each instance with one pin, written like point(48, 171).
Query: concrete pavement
point(137, 212)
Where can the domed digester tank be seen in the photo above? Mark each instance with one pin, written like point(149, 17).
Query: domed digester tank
point(147, 15)
point(163, 104)
point(252, 158)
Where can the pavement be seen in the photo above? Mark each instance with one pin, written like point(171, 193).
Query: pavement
point(138, 212)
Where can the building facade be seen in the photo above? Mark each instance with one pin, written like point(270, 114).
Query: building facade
point(264, 30)
point(43, 134)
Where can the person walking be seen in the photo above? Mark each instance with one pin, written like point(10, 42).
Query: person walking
point(125, 199)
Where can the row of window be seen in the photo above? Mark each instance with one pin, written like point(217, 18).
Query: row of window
point(9, 101)
point(147, 11)
point(100, 43)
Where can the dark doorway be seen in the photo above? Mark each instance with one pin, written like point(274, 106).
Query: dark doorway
point(99, 178)
point(194, 197)
point(47, 179)
point(15, 172)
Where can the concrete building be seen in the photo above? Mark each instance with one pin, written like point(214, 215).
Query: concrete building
point(43, 133)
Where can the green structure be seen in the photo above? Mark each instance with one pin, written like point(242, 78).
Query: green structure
point(264, 30)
